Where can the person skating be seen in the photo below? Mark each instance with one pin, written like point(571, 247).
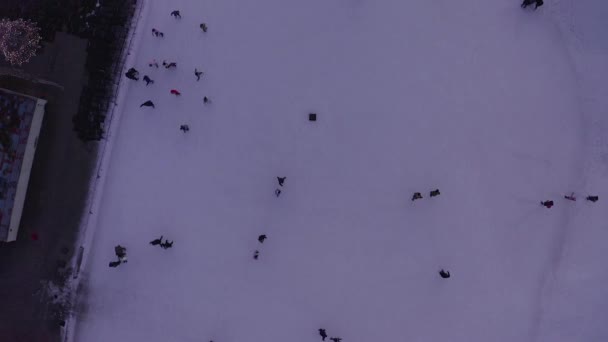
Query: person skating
point(570, 197)
point(197, 74)
point(277, 192)
point(444, 274)
point(157, 33)
point(527, 3)
point(281, 180)
point(416, 196)
point(166, 244)
point(169, 65)
point(148, 80)
point(203, 27)
point(336, 339)
point(121, 253)
point(115, 263)
point(157, 242)
point(147, 104)
point(547, 204)
point(323, 334)
point(184, 128)
point(175, 92)
point(592, 198)
point(206, 100)
point(154, 63)
point(435, 193)
point(261, 238)
point(256, 254)
point(132, 74)
point(176, 14)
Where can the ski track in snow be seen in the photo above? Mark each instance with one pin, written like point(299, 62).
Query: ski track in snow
point(491, 104)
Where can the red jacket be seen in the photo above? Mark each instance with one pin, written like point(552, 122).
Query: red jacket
point(175, 92)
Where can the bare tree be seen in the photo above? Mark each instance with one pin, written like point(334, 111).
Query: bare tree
point(19, 40)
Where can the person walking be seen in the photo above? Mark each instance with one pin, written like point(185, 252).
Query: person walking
point(323, 334)
point(176, 14)
point(198, 74)
point(547, 204)
point(416, 196)
point(592, 198)
point(148, 80)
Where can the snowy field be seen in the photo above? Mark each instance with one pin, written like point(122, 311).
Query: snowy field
point(498, 107)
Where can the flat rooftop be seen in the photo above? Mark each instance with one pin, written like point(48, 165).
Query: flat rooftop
point(20, 123)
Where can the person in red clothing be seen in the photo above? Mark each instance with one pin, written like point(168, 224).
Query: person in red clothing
point(175, 92)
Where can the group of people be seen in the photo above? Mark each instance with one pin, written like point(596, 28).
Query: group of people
point(133, 74)
point(549, 203)
point(323, 334)
point(261, 238)
point(418, 195)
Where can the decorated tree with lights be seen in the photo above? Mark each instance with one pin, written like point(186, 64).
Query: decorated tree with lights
point(19, 40)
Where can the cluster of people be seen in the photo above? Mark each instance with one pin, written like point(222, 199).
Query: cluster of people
point(133, 74)
point(418, 195)
point(323, 334)
point(261, 238)
point(159, 242)
point(549, 203)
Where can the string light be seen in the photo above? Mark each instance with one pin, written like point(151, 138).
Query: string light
point(19, 40)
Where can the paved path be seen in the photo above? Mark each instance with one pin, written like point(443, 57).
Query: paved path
point(55, 198)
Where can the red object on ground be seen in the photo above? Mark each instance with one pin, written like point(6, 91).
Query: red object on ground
point(175, 92)
point(34, 236)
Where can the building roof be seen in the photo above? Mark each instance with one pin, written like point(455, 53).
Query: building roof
point(20, 121)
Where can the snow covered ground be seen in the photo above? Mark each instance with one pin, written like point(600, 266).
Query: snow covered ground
point(497, 107)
